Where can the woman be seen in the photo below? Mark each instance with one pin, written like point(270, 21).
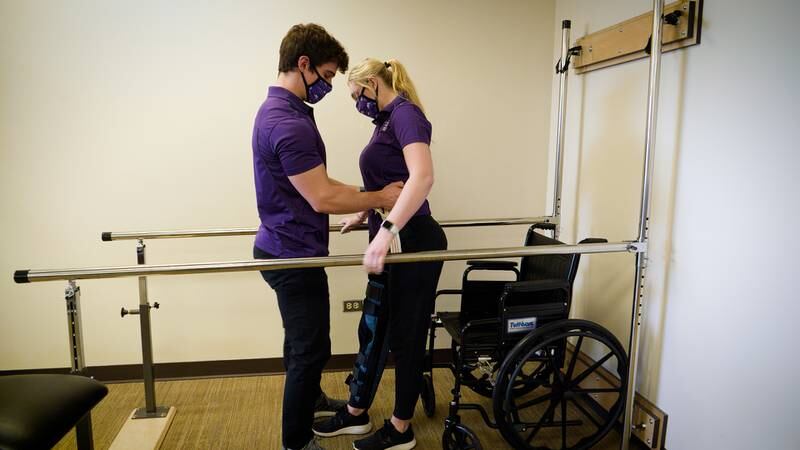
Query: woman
point(400, 297)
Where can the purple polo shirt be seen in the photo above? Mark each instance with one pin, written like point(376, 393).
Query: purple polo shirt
point(382, 162)
point(286, 142)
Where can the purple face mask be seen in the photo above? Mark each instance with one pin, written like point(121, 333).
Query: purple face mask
point(366, 105)
point(316, 90)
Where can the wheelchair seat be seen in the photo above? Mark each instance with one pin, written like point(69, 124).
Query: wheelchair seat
point(453, 324)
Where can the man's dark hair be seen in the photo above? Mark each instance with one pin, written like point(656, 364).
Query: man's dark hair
point(313, 41)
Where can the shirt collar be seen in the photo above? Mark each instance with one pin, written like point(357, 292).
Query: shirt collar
point(294, 101)
point(383, 115)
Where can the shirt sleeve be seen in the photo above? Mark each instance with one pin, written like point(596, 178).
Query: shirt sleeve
point(296, 146)
point(410, 125)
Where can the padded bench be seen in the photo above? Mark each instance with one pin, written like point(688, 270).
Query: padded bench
point(36, 411)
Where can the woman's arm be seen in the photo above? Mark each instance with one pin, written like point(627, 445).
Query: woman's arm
point(420, 181)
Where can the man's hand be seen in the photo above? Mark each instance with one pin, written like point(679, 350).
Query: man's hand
point(349, 222)
point(390, 193)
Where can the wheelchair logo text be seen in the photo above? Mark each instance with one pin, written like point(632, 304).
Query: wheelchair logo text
point(522, 324)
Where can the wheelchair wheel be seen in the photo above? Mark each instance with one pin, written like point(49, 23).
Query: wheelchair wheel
point(428, 395)
point(459, 437)
point(560, 409)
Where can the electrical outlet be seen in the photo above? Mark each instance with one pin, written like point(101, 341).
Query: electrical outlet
point(353, 305)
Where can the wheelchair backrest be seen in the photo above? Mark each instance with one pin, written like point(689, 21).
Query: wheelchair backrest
point(547, 267)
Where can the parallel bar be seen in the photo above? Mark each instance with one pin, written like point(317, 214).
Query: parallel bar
point(644, 217)
point(175, 234)
point(27, 276)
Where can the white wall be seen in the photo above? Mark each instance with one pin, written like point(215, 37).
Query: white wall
point(721, 303)
point(137, 116)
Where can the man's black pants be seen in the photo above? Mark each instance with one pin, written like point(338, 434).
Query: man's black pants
point(303, 299)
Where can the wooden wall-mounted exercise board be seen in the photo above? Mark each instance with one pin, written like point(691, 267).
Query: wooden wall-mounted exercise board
point(626, 41)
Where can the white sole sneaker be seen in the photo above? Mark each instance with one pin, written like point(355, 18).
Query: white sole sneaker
point(355, 429)
point(406, 446)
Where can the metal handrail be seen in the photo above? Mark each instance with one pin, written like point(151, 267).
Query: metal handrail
point(36, 275)
point(219, 232)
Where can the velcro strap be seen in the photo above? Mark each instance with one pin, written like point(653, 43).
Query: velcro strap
point(371, 307)
point(374, 290)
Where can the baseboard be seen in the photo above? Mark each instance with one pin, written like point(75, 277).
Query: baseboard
point(207, 369)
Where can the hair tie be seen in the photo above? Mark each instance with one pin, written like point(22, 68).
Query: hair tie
point(386, 64)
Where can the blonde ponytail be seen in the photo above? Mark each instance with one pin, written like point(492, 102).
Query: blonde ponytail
point(392, 72)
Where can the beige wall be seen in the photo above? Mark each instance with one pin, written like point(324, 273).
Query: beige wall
point(119, 116)
point(721, 306)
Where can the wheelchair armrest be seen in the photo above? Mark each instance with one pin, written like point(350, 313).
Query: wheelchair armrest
point(536, 286)
point(520, 287)
point(544, 226)
point(594, 241)
point(510, 266)
point(492, 265)
point(448, 292)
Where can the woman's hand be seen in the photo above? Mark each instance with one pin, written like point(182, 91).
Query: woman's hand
point(349, 222)
point(377, 250)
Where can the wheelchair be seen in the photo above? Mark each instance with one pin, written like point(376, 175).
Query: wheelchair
point(513, 342)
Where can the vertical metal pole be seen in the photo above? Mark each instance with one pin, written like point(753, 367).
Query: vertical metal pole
point(562, 112)
point(644, 216)
point(72, 295)
point(150, 409)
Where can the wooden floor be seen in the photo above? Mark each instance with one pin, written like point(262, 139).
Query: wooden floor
point(244, 413)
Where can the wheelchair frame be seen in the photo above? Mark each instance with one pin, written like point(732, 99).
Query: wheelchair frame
point(549, 298)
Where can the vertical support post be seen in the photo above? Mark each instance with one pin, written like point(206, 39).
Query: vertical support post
point(563, 69)
point(150, 409)
point(644, 216)
point(72, 295)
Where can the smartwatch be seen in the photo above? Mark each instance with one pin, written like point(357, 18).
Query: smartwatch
point(391, 227)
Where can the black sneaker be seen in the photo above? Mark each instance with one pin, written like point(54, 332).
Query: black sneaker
point(343, 423)
point(387, 438)
point(327, 407)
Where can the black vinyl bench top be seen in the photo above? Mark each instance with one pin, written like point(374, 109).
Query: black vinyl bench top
point(36, 411)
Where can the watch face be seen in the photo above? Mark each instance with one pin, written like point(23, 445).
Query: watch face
point(390, 226)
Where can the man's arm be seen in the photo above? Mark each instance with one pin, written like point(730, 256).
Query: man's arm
point(339, 183)
point(330, 197)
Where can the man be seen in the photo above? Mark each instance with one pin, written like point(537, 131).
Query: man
point(295, 196)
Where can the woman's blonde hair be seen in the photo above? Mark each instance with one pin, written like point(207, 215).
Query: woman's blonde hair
point(391, 72)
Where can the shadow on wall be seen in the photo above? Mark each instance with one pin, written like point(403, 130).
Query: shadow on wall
point(664, 206)
point(610, 130)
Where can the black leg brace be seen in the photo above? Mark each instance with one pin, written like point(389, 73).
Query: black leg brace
point(373, 343)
